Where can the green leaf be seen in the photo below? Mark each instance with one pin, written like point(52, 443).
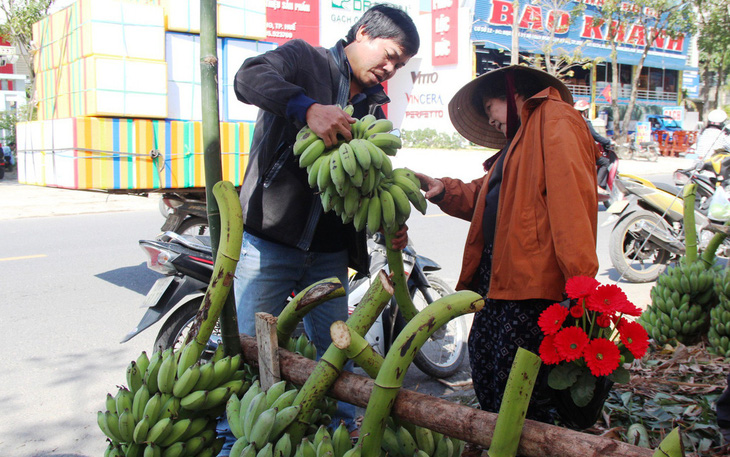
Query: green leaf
point(620, 375)
point(563, 376)
point(582, 391)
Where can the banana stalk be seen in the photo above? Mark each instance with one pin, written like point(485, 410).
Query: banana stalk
point(212, 156)
point(356, 348)
point(516, 399)
point(299, 306)
point(398, 276)
point(671, 445)
point(225, 264)
point(329, 366)
point(708, 256)
point(690, 231)
point(399, 357)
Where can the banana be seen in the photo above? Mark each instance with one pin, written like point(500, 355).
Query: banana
point(135, 376)
point(412, 191)
point(233, 414)
point(407, 173)
point(307, 448)
point(252, 391)
point(134, 450)
point(389, 443)
point(111, 403)
point(236, 386)
point(285, 400)
point(337, 172)
point(369, 181)
point(356, 129)
point(205, 379)
point(385, 140)
point(376, 154)
point(325, 446)
point(302, 143)
point(255, 408)
point(310, 154)
point(238, 447)
point(406, 442)
point(139, 435)
point(387, 167)
point(197, 427)
point(302, 131)
point(388, 208)
point(283, 418)
point(358, 178)
point(141, 397)
point(186, 382)
point(124, 399)
point(152, 450)
point(323, 173)
point(221, 368)
point(361, 215)
point(166, 375)
point(194, 401)
point(378, 126)
point(153, 408)
point(425, 441)
point(102, 420)
point(375, 214)
point(313, 171)
point(266, 451)
point(283, 446)
point(216, 397)
point(171, 408)
point(175, 450)
point(178, 430)
point(402, 204)
point(349, 109)
point(262, 427)
point(352, 199)
point(349, 161)
point(341, 441)
point(362, 153)
point(444, 447)
point(354, 452)
point(159, 431)
point(327, 197)
point(365, 122)
point(189, 354)
point(275, 391)
point(248, 451)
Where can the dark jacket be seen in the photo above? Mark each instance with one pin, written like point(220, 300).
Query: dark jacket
point(276, 200)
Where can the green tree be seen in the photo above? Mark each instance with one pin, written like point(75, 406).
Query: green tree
point(20, 15)
point(713, 42)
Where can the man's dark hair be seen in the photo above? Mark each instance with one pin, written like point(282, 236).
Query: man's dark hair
point(388, 22)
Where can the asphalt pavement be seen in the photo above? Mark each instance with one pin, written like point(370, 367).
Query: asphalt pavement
point(21, 200)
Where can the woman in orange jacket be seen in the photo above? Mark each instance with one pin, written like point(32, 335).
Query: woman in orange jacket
point(533, 216)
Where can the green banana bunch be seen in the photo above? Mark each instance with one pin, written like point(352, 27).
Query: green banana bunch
point(718, 334)
point(399, 441)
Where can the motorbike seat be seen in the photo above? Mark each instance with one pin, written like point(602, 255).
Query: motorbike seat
point(670, 188)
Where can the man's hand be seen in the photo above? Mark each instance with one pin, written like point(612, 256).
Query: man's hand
point(328, 121)
point(432, 186)
point(400, 239)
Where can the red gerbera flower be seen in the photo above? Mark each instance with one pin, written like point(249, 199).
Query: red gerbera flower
point(629, 308)
point(552, 318)
point(548, 352)
point(570, 342)
point(579, 287)
point(576, 311)
point(602, 356)
point(603, 320)
point(607, 298)
point(635, 338)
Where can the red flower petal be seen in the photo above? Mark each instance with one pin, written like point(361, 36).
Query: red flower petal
point(579, 287)
point(603, 320)
point(607, 298)
point(629, 308)
point(576, 311)
point(552, 318)
point(570, 342)
point(548, 352)
point(635, 338)
point(602, 356)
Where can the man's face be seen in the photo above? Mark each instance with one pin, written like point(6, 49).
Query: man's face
point(374, 60)
point(496, 111)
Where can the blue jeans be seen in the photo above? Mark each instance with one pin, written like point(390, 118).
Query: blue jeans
point(265, 276)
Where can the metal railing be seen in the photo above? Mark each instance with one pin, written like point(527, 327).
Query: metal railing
point(625, 92)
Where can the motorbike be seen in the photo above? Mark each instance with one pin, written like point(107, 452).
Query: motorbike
point(612, 192)
point(185, 213)
point(649, 231)
point(187, 263)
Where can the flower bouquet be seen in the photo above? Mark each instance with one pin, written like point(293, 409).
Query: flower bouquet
point(588, 339)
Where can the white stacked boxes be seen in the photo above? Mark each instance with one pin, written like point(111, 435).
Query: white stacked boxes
point(46, 153)
point(236, 18)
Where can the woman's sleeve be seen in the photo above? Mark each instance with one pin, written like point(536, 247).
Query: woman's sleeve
point(460, 198)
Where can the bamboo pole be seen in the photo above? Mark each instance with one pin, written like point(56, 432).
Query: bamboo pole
point(452, 419)
point(212, 153)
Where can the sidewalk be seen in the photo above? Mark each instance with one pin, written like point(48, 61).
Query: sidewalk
point(21, 200)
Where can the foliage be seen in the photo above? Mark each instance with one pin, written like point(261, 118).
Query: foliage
point(713, 43)
point(671, 387)
point(20, 15)
point(8, 120)
point(431, 139)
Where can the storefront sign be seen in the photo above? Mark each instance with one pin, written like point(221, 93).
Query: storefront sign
point(444, 30)
point(290, 19)
point(643, 132)
point(587, 33)
point(338, 16)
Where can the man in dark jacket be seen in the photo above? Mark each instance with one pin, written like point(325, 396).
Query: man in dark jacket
point(289, 242)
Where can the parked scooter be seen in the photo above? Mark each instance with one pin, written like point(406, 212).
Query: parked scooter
point(612, 192)
point(649, 232)
point(187, 263)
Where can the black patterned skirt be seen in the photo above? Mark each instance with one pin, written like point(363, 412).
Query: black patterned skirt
point(498, 330)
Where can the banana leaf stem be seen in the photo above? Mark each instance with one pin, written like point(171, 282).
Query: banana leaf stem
point(516, 399)
point(302, 303)
point(708, 256)
point(356, 348)
point(398, 276)
point(690, 230)
point(399, 357)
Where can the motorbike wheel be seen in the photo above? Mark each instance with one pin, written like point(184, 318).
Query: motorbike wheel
point(443, 353)
point(176, 328)
point(196, 226)
point(634, 259)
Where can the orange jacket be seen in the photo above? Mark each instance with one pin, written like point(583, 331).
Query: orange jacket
point(547, 215)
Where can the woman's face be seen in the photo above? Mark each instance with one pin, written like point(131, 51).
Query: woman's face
point(496, 111)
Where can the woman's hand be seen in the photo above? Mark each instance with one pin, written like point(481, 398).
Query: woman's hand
point(432, 186)
point(400, 238)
